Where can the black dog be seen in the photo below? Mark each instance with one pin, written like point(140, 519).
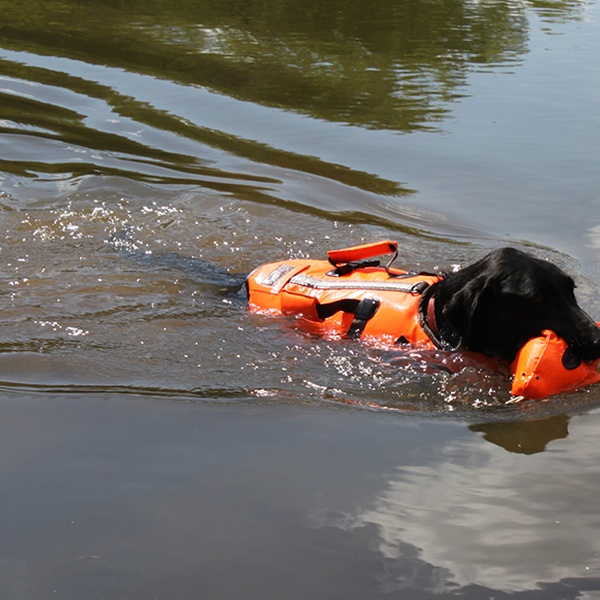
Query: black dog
point(495, 305)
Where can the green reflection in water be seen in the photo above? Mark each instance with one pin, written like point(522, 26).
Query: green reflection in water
point(385, 65)
point(22, 115)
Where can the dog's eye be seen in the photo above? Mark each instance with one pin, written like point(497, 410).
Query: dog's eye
point(540, 299)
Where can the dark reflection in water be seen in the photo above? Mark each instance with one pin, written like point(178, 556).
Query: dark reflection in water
point(525, 437)
point(393, 65)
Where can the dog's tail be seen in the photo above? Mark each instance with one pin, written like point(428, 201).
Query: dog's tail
point(203, 271)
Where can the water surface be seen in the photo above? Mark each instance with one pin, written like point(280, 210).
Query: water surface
point(160, 441)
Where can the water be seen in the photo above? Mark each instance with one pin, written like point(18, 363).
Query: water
point(158, 440)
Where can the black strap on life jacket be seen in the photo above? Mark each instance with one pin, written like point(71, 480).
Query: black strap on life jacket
point(363, 310)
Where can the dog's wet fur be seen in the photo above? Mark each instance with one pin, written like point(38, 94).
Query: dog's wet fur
point(508, 297)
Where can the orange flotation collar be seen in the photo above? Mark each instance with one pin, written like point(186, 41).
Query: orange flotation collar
point(538, 369)
point(350, 295)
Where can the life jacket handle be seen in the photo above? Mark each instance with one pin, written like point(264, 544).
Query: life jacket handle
point(357, 253)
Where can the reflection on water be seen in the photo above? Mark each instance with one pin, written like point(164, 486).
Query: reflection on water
point(481, 516)
point(525, 437)
point(111, 496)
point(395, 65)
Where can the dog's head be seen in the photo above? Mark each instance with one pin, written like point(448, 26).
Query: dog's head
point(509, 297)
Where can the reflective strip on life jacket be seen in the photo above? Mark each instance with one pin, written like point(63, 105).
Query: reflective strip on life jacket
point(349, 284)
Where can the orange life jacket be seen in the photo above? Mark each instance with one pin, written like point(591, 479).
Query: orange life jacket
point(344, 297)
point(352, 296)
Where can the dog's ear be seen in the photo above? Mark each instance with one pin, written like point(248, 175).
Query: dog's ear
point(468, 305)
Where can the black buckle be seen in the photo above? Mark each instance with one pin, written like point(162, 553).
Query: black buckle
point(348, 267)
